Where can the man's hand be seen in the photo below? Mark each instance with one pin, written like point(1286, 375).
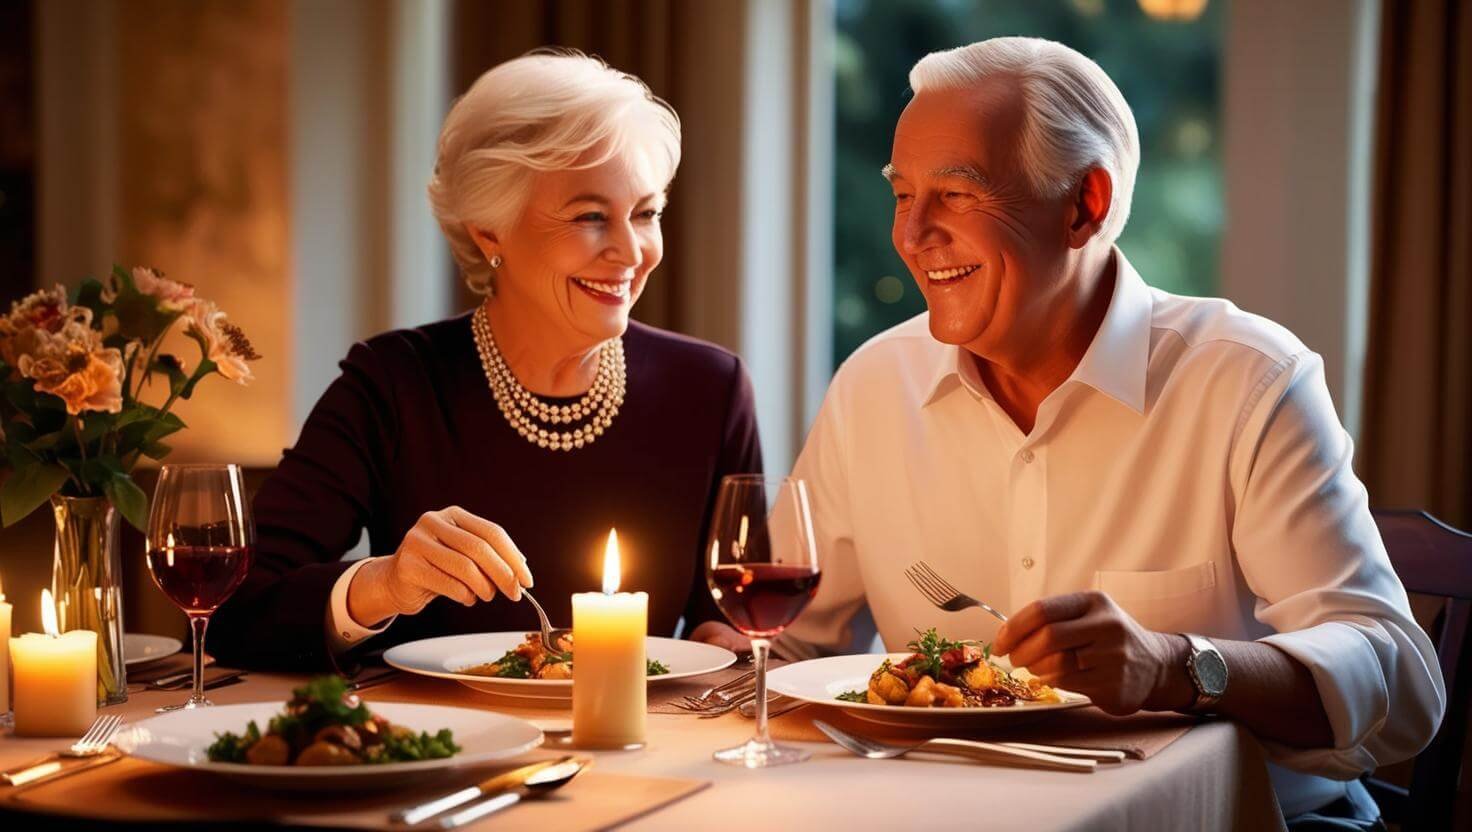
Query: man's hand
point(721, 634)
point(1084, 642)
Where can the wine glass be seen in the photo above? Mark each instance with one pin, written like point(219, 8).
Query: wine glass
point(762, 569)
point(201, 541)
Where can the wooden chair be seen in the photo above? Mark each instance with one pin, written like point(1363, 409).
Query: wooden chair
point(1433, 559)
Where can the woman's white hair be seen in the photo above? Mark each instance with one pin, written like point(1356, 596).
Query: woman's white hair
point(547, 110)
point(1074, 116)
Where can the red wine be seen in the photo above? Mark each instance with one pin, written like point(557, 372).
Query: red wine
point(761, 599)
point(199, 578)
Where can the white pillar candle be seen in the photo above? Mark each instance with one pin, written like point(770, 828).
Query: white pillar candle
point(5, 611)
point(609, 681)
point(55, 679)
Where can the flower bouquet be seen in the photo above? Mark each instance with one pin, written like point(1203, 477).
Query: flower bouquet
point(73, 372)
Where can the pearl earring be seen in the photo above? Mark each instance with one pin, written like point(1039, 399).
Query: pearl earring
point(496, 261)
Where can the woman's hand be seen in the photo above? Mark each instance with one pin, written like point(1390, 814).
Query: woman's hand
point(721, 634)
point(450, 553)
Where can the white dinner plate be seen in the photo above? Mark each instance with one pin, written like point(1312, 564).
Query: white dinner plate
point(820, 681)
point(180, 739)
point(143, 649)
point(445, 657)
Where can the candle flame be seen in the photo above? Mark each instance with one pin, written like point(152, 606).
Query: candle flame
point(48, 614)
point(612, 574)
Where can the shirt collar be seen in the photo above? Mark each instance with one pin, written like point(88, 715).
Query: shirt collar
point(1115, 363)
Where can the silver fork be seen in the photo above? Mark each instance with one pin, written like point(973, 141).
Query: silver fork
point(92, 743)
point(938, 591)
point(724, 702)
point(549, 634)
point(983, 751)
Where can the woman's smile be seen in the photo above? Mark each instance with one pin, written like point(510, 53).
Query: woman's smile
point(611, 292)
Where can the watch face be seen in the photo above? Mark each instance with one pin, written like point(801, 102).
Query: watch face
point(1211, 673)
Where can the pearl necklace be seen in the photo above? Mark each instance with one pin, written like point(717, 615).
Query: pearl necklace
point(529, 415)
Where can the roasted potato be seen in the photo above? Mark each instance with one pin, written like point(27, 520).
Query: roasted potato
point(327, 754)
point(270, 750)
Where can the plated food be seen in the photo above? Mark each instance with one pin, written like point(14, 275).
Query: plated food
point(454, 657)
point(941, 673)
point(325, 724)
point(532, 660)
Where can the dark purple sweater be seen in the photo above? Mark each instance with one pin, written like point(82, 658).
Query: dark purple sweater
point(411, 426)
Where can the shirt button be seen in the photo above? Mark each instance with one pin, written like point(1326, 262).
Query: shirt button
point(1027, 562)
point(1027, 455)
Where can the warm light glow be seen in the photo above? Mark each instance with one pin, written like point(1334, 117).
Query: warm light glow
point(48, 614)
point(2, 591)
point(1179, 10)
point(612, 574)
point(741, 537)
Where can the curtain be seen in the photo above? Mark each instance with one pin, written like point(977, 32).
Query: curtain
point(1417, 437)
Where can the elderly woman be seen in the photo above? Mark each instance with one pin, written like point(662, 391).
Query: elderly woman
point(504, 443)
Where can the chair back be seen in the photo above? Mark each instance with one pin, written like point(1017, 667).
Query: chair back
point(1435, 559)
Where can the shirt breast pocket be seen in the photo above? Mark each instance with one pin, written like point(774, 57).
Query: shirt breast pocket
point(1169, 600)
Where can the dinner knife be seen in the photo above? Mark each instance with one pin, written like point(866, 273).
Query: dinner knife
point(499, 783)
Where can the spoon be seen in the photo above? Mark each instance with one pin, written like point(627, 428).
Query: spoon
point(540, 784)
point(549, 635)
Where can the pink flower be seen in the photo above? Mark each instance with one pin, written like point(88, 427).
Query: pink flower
point(223, 343)
point(172, 295)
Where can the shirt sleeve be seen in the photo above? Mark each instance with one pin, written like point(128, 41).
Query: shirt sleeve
point(343, 632)
point(826, 626)
point(1311, 553)
point(309, 513)
point(740, 453)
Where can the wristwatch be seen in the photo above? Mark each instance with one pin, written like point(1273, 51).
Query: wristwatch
point(1208, 672)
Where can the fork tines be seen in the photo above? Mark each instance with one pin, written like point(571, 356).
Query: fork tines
point(99, 735)
point(936, 589)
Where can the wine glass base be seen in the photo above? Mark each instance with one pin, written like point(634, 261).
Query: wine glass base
point(753, 754)
point(185, 706)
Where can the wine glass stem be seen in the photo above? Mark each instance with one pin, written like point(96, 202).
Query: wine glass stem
point(197, 624)
point(760, 647)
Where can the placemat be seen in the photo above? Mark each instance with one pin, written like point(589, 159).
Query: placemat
point(132, 790)
point(1140, 736)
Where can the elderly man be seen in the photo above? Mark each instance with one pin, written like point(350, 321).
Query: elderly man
point(1156, 487)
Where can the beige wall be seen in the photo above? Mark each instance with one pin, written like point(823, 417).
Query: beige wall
point(163, 142)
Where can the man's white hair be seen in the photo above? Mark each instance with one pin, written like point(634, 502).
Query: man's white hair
point(547, 110)
point(1074, 117)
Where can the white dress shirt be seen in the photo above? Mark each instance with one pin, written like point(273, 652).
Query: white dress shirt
point(342, 631)
point(1192, 467)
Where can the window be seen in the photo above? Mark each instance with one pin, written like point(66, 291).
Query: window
point(1168, 71)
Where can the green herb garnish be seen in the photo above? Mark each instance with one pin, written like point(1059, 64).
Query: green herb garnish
point(408, 747)
point(853, 696)
point(513, 665)
point(230, 747)
point(929, 648)
point(655, 667)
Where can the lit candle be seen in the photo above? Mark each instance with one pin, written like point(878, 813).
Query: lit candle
point(55, 679)
point(609, 675)
point(5, 610)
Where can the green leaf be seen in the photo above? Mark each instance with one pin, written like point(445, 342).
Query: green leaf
point(27, 487)
point(156, 450)
point(98, 471)
point(89, 294)
point(45, 442)
point(128, 499)
point(174, 372)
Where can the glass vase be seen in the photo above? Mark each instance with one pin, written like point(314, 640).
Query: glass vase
point(86, 580)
